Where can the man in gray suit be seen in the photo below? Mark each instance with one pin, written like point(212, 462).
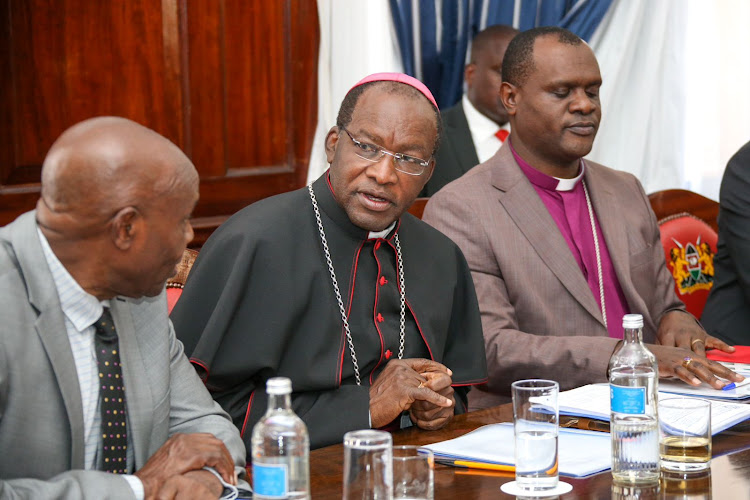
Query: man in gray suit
point(552, 289)
point(110, 227)
point(475, 128)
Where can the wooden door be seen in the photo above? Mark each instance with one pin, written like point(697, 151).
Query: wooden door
point(231, 82)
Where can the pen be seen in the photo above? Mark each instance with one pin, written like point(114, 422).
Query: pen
point(465, 464)
point(734, 385)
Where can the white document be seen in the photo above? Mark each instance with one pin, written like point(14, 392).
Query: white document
point(593, 401)
point(742, 391)
point(580, 453)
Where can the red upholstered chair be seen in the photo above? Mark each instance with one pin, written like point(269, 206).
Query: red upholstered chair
point(689, 243)
point(177, 282)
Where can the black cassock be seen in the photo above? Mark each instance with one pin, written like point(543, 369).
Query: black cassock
point(259, 303)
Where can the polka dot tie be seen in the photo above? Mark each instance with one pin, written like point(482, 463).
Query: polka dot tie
point(114, 450)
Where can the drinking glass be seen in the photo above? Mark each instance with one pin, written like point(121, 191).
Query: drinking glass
point(413, 473)
point(685, 434)
point(535, 424)
point(368, 465)
point(686, 485)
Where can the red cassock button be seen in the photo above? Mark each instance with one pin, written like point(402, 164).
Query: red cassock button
point(388, 354)
point(383, 281)
point(379, 318)
point(377, 245)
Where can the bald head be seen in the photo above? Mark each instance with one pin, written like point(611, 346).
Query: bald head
point(489, 39)
point(115, 206)
point(103, 164)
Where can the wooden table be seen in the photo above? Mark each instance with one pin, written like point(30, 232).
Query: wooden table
point(729, 478)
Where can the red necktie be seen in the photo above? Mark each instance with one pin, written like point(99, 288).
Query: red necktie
point(502, 134)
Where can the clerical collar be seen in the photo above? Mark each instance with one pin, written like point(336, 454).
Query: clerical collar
point(373, 235)
point(545, 181)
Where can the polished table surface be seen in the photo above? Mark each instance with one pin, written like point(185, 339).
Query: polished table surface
point(728, 479)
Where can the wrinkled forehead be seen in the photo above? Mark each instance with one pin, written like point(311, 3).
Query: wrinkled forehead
point(404, 118)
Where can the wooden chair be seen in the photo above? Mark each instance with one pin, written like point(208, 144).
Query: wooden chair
point(676, 201)
point(176, 283)
point(687, 223)
point(417, 208)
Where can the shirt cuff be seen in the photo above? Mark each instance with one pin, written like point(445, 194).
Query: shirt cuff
point(230, 491)
point(136, 485)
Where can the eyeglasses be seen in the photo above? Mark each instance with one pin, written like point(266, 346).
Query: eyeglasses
point(404, 163)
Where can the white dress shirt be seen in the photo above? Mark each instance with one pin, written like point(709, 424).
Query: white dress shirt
point(483, 131)
point(81, 311)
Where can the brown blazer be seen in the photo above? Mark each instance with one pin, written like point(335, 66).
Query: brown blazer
point(539, 317)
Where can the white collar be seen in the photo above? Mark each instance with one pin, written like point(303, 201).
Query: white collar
point(80, 307)
point(381, 234)
point(479, 125)
point(569, 184)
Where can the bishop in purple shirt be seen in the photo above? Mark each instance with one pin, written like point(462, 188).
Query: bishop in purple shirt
point(559, 247)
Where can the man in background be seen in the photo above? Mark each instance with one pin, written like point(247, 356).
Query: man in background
point(96, 395)
point(369, 311)
point(561, 248)
point(475, 128)
point(727, 311)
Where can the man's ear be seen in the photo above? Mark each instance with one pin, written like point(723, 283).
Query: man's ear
point(427, 174)
point(127, 224)
point(509, 94)
point(332, 139)
point(469, 72)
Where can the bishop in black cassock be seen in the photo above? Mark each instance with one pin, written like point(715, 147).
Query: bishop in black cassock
point(259, 303)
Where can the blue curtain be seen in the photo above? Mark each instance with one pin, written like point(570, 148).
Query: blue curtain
point(438, 59)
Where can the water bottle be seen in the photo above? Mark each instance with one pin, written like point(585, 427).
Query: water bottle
point(633, 382)
point(280, 447)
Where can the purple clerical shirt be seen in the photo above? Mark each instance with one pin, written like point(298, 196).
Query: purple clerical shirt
point(566, 202)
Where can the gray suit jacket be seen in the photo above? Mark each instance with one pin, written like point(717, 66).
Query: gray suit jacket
point(539, 317)
point(456, 154)
point(41, 416)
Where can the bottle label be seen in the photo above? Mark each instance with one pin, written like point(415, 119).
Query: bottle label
point(631, 400)
point(270, 480)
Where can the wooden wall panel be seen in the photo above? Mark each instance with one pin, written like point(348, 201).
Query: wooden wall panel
point(232, 82)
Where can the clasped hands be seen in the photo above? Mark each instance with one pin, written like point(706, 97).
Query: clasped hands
point(176, 469)
point(681, 352)
point(421, 386)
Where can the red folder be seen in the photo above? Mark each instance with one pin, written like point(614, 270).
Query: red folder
point(741, 355)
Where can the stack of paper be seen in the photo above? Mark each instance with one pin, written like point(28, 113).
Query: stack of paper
point(593, 401)
point(739, 393)
point(581, 453)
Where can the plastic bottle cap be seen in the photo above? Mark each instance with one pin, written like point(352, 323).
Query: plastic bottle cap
point(632, 321)
point(278, 385)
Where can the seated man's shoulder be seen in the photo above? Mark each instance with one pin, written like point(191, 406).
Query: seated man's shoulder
point(13, 283)
point(269, 216)
point(428, 237)
point(612, 175)
point(468, 186)
point(9, 269)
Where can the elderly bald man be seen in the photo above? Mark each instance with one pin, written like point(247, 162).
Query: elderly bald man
point(96, 394)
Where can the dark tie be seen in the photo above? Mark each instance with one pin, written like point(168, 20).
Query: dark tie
point(111, 397)
point(502, 134)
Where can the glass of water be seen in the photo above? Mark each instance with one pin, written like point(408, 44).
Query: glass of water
point(368, 465)
point(685, 434)
point(535, 424)
point(413, 476)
